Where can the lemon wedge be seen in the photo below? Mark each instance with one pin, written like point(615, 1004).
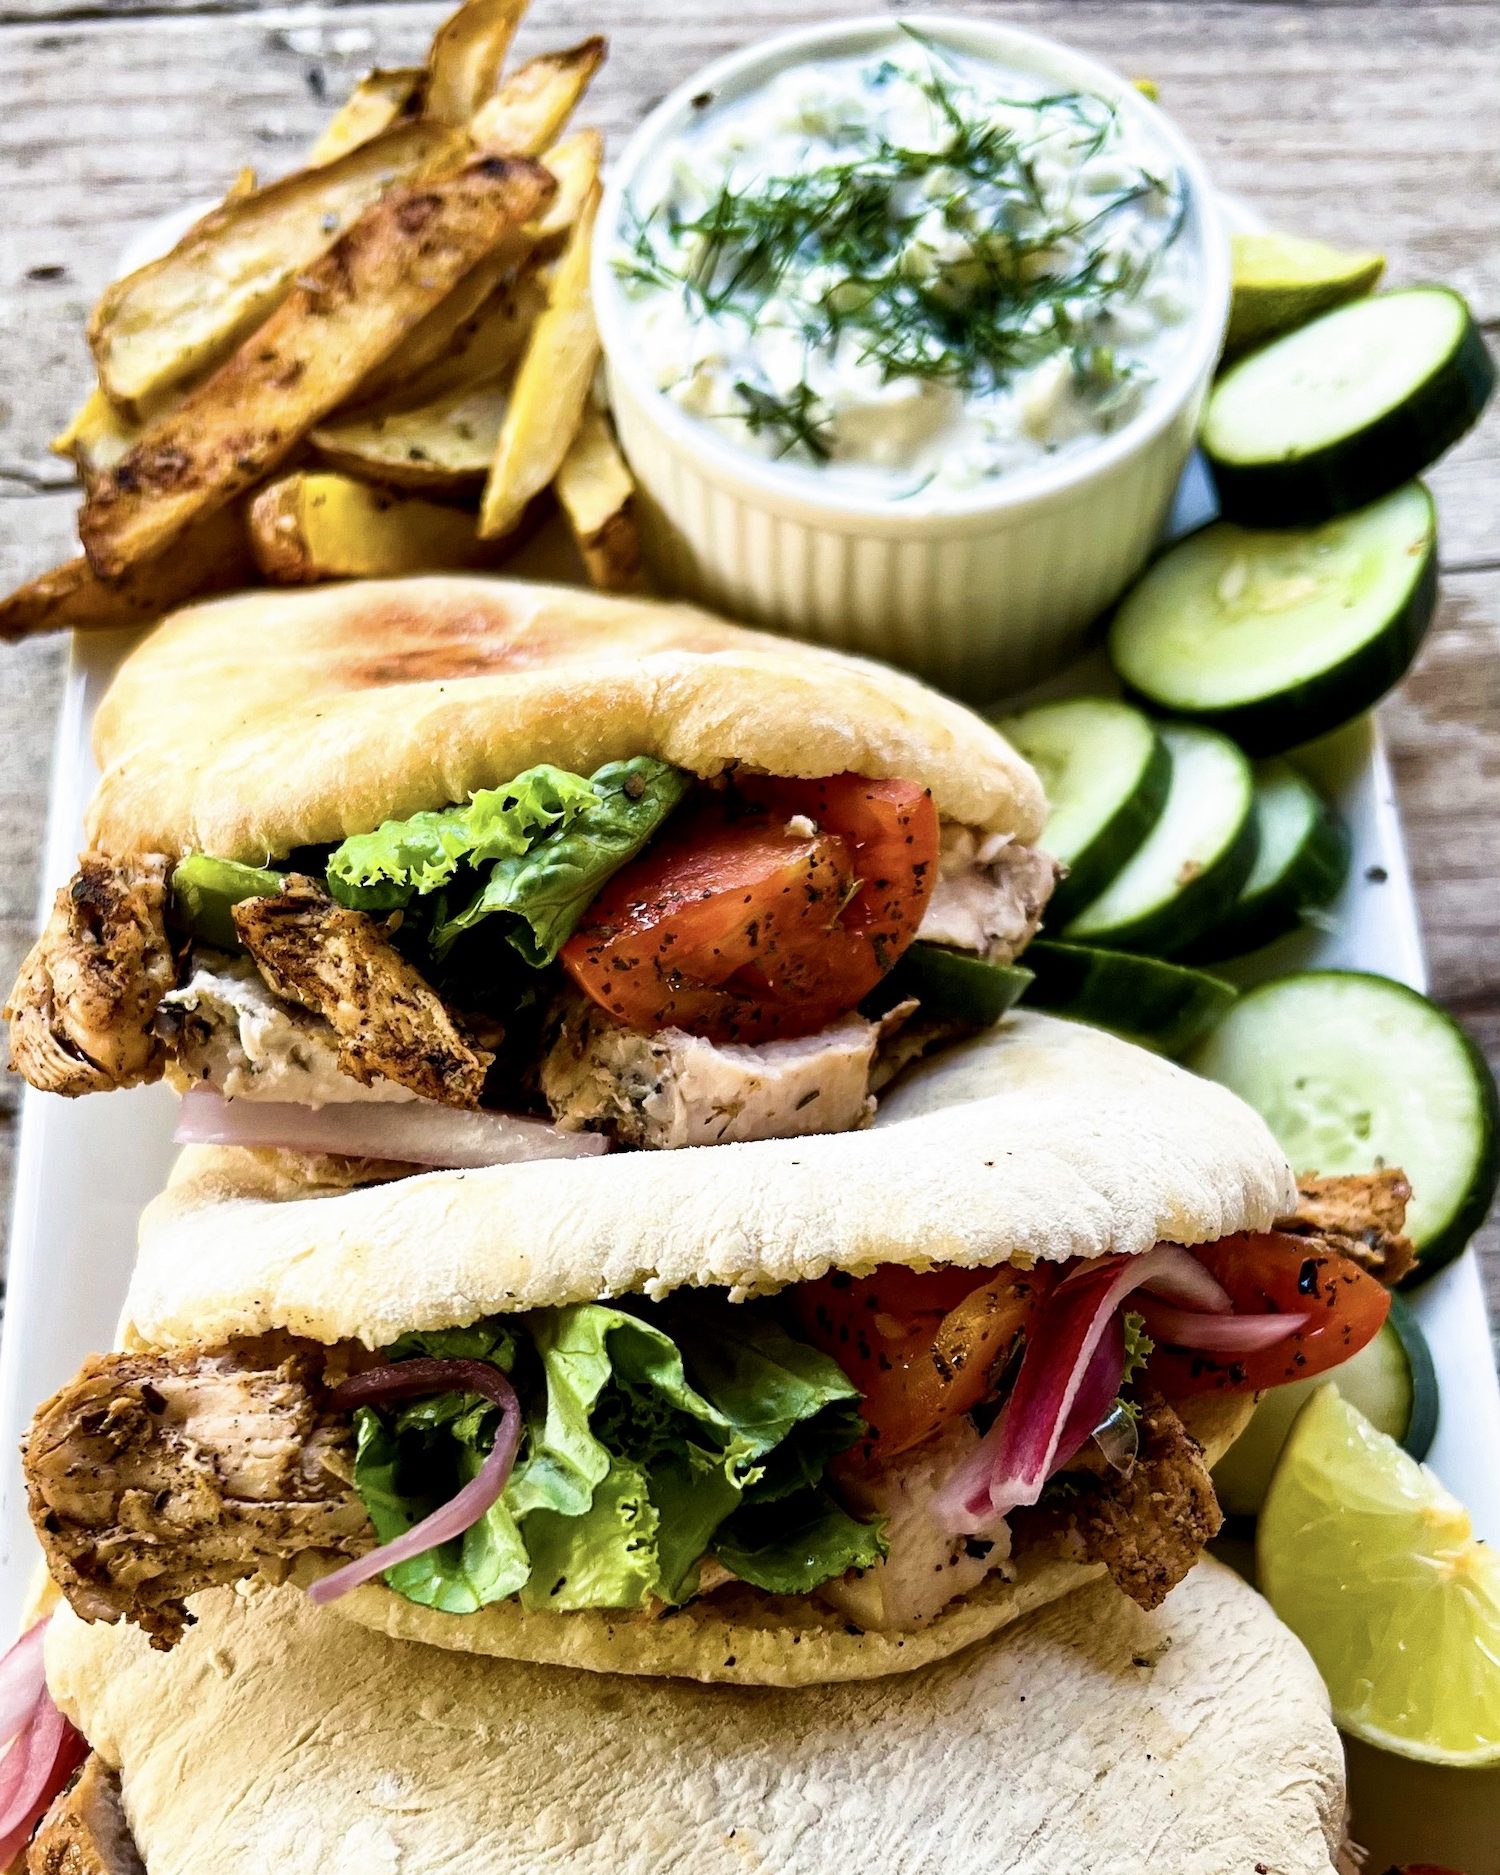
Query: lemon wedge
point(1376, 1568)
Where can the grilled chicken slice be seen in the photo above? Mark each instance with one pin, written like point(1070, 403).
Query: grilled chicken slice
point(926, 1566)
point(989, 896)
point(153, 1476)
point(674, 1089)
point(1148, 1529)
point(1362, 1214)
point(341, 964)
point(81, 1012)
point(85, 1831)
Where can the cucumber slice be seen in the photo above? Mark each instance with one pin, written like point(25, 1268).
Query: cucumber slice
point(1160, 1005)
point(949, 983)
point(1352, 1071)
point(205, 892)
point(1391, 1381)
point(1106, 772)
point(1188, 871)
point(1301, 861)
point(1340, 412)
point(1275, 638)
point(1280, 281)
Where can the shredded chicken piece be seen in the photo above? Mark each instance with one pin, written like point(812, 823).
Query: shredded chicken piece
point(153, 1476)
point(990, 894)
point(341, 964)
point(227, 1031)
point(1363, 1215)
point(673, 1089)
point(85, 1832)
point(926, 1565)
point(80, 1014)
point(1148, 1529)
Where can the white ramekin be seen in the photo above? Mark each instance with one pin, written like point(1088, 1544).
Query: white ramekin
point(996, 589)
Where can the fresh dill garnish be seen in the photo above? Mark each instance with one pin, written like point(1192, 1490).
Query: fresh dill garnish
point(953, 264)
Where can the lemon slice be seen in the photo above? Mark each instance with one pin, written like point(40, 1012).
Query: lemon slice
point(1376, 1568)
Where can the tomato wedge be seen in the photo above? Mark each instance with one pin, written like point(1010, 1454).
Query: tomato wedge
point(1267, 1272)
point(922, 1347)
point(769, 911)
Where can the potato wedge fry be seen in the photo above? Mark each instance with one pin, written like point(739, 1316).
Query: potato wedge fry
point(346, 313)
point(574, 163)
point(212, 557)
point(97, 436)
point(484, 348)
point(440, 332)
point(428, 360)
point(376, 102)
point(597, 493)
point(446, 445)
point(551, 386)
point(308, 527)
point(467, 53)
point(170, 321)
point(536, 100)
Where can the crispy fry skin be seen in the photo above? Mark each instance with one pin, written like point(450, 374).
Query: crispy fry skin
point(85, 1831)
point(349, 309)
point(209, 558)
point(81, 1011)
point(153, 1476)
point(341, 964)
point(169, 322)
point(1362, 1215)
point(1147, 1529)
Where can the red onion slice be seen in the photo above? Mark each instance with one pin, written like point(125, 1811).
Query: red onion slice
point(1067, 1363)
point(404, 1380)
point(413, 1132)
point(43, 1752)
point(1097, 1392)
point(1185, 1280)
point(1218, 1334)
point(1021, 1450)
point(22, 1677)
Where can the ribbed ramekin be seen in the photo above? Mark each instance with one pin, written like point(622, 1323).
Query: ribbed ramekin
point(998, 587)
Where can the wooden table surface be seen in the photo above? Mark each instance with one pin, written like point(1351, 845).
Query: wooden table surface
point(1369, 124)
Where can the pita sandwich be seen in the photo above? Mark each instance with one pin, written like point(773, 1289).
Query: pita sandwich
point(1100, 1738)
point(463, 871)
point(795, 1411)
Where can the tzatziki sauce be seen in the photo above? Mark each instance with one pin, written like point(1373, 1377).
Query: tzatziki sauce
point(909, 270)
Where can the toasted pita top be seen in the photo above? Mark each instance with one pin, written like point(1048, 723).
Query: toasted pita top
point(275, 1737)
point(272, 720)
point(1040, 1139)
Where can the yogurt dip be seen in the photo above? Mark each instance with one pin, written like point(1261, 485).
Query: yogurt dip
point(909, 270)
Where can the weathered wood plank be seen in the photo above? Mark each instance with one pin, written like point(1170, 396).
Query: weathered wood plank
point(33, 12)
point(1350, 122)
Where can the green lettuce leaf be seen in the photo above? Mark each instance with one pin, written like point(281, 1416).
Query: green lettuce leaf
point(633, 1462)
point(535, 852)
point(789, 1547)
point(403, 859)
point(546, 890)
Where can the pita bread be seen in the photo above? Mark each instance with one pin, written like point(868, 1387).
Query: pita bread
point(272, 720)
point(1040, 1139)
point(1195, 1740)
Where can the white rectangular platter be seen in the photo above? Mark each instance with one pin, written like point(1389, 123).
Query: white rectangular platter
point(86, 1168)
